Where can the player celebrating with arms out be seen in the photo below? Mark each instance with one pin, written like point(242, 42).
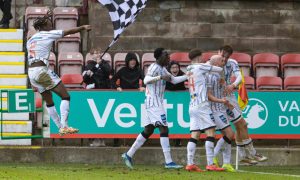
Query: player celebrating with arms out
point(44, 79)
point(201, 118)
point(243, 141)
point(155, 81)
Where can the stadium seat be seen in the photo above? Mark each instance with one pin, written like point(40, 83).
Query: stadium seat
point(119, 60)
point(32, 13)
point(269, 83)
point(244, 61)
point(290, 65)
point(65, 17)
point(206, 56)
point(182, 58)
point(70, 63)
point(69, 43)
point(52, 61)
point(265, 64)
point(249, 81)
point(106, 57)
point(292, 83)
point(147, 59)
point(72, 81)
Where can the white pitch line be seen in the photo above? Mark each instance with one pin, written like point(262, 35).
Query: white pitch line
point(278, 174)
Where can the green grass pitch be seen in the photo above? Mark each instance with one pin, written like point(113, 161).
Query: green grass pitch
point(90, 172)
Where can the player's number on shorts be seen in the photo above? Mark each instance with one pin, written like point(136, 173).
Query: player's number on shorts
point(223, 118)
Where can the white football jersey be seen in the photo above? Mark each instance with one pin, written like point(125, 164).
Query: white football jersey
point(197, 82)
point(155, 91)
point(216, 84)
point(231, 68)
point(39, 45)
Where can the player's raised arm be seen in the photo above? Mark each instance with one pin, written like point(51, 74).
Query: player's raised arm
point(77, 29)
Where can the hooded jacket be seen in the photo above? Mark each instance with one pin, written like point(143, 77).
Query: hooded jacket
point(128, 77)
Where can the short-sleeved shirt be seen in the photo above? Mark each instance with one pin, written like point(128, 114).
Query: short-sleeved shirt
point(39, 45)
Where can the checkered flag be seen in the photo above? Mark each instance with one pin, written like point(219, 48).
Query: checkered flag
point(122, 14)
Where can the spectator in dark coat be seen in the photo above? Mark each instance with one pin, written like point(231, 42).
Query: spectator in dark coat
point(97, 72)
point(130, 76)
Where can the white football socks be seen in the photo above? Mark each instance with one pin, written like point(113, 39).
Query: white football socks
point(140, 140)
point(64, 112)
point(54, 115)
point(165, 144)
point(191, 149)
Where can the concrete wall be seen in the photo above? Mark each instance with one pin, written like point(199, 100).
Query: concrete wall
point(248, 25)
point(106, 155)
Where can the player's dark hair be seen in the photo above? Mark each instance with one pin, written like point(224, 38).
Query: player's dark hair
point(39, 22)
point(226, 48)
point(194, 53)
point(158, 52)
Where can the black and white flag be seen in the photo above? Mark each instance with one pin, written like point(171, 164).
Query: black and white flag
point(122, 13)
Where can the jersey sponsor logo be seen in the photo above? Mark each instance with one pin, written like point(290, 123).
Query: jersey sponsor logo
point(256, 113)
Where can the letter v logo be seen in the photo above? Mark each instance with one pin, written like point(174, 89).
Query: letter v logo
point(101, 122)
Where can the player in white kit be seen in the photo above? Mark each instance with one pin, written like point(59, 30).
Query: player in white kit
point(201, 118)
point(44, 79)
point(219, 105)
point(155, 81)
point(243, 141)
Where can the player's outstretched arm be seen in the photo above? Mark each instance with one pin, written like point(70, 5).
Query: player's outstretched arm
point(77, 29)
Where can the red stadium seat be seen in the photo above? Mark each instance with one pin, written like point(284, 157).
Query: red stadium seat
point(69, 43)
point(269, 83)
point(290, 65)
point(119, 60)
point(265, 64)
point(207, 55)
point(70, 63)
point(244, 61)
point(65, 17)
point(249, 81)
point(52, 61)
point(182, 58)
point(292, 83)
point(106, 57)
point(73, 81)
point(32, 13)
point(147, 59)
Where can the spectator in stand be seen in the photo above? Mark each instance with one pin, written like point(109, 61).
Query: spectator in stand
point(97, 72)
point(5, 6)
point(130, 76)
point(174, 69)
point(97, 75)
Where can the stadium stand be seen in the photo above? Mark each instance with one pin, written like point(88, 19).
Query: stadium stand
point(12, 76)
point(269, 83)
point(147, 59)
point(70, 62)
point(72, 81)
point(265, 64)
point(32, 13)
point(249, 81)
point(292, 83)
point(244, 61)
point(290, 65)
point(52, 61)
point(182, 58)
point(119, 60)
point(206, 55)
point(65, 17)
point(70, 43)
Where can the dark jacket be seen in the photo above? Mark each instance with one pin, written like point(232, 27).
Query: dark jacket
point(100, 76)
point(128, 78)
point(175, 87)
